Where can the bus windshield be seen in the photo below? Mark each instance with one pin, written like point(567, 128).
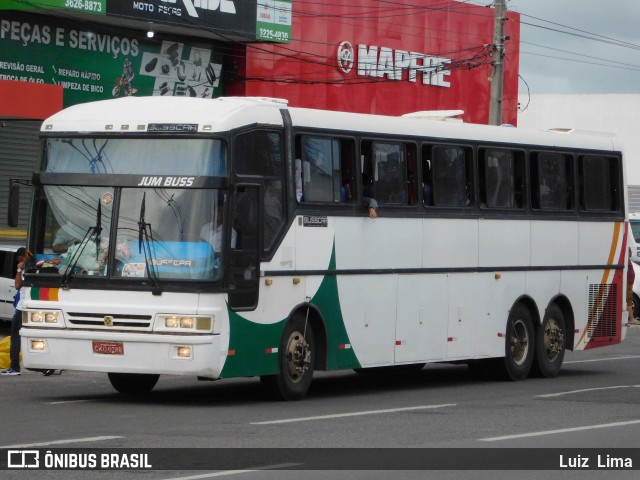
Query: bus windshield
point(126, 233)
point(175, 156)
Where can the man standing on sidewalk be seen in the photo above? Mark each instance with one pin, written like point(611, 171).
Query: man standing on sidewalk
point(16, 322)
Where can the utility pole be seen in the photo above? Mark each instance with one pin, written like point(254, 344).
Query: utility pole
point(497, 79)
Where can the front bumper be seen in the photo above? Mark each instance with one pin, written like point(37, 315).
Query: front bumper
point(141, 352)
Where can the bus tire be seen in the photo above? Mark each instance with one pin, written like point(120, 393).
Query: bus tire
point(519, 345)
point(133, 383)
point(550, 344)
point(296, 358)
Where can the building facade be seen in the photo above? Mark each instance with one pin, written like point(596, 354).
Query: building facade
point(612, 113)
point(363, 56)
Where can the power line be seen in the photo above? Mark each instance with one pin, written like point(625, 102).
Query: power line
point(582, 61)
point(581, 33)
point(579, 55)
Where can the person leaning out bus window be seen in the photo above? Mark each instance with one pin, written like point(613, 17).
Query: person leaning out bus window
point(367, 196)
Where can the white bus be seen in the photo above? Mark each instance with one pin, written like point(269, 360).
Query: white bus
point(230, 238)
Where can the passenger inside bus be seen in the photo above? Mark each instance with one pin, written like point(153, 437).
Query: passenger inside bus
point(427, 179)
point(213, 232)
point(67, 235)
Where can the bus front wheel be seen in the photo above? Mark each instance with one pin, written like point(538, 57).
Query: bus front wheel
point(550, 344)
point(519, 344)
point(133, 383)
point(296, 357)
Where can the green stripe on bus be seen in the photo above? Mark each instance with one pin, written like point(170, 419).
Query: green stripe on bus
point(327, 299)
point(248, 348)
point(250, 343)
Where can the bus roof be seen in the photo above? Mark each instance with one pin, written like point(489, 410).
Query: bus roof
point(134, 114)
point(448, 130)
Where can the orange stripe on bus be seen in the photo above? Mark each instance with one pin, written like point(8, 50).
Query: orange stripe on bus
point(598, 303)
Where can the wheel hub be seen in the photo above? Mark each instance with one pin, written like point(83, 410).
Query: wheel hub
point(519, 342)
point(298, 356)
point(553, 339)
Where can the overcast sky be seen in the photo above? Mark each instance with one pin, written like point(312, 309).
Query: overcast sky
point(564, 61)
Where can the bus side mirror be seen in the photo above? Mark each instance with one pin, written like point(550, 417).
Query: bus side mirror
point(14, 203)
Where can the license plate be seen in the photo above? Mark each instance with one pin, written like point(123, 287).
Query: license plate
point(108, 348)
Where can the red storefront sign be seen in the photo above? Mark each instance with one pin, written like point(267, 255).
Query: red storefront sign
point(375, 57)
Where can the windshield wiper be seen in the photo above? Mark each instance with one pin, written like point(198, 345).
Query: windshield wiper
point(98, 228)
point(145, 236)
point(75, 257)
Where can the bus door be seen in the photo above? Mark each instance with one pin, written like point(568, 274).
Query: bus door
point(244, 270)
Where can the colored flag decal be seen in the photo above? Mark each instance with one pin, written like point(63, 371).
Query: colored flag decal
point(45, 294)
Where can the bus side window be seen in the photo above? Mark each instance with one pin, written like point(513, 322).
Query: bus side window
point(551, 181)
point(411, 173)
point(347, 170)
point(502, 178)
point(450, 175)
point(599, 183)
point(324, 169)
point(386, 165)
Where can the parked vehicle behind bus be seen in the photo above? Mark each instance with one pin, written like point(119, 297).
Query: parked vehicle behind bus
point(8, 264)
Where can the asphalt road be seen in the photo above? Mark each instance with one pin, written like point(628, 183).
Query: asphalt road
point(593, 404)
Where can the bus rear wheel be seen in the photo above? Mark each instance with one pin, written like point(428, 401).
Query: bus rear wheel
point(133, 383)
point(550, 344)
point(296, 358)
point(519, 345)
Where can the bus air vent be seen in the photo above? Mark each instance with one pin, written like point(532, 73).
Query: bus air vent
point(603, 302)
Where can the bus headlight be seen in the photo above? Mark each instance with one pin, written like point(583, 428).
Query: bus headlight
point(45, 318)
point(172, 322)
point(184, 323)
point(37, 345)
point(187, 322)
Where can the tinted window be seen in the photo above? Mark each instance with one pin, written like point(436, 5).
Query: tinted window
point(7, 264)
point(321, 170)
point(259, 153)
point(446, 176)
point(324, 169)
point(502, 178)
point(551, 181)
point(385, 173)
point(599, 180)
